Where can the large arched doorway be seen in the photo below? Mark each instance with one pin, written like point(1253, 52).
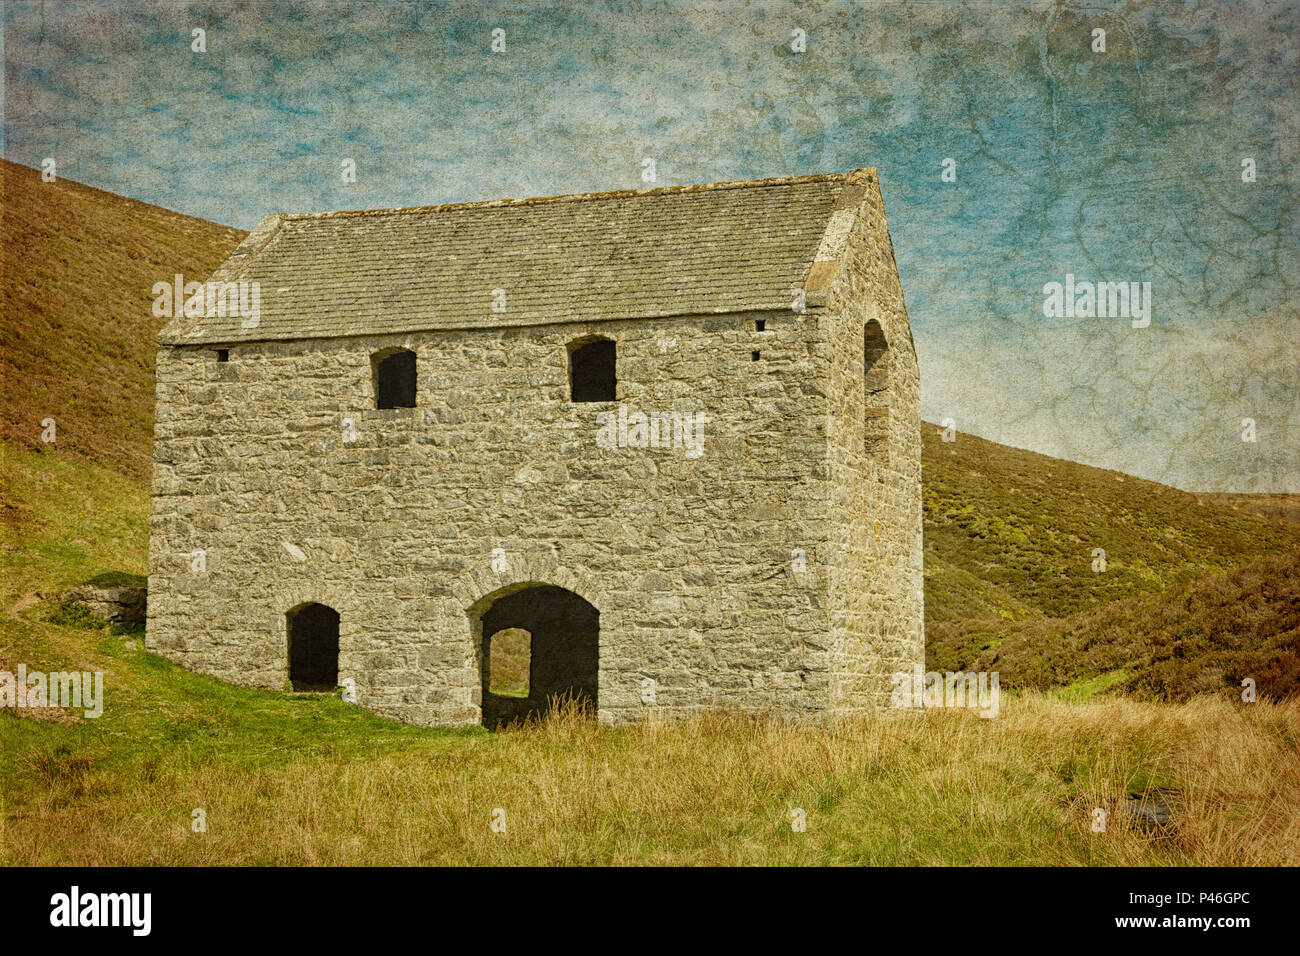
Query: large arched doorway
point(313, 647)
point(562, 652)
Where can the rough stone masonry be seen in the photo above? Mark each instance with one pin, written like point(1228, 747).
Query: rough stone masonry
point(399, 457)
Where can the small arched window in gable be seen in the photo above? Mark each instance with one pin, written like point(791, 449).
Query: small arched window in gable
point(877, 390)
point(592, 375)
point(394, 374)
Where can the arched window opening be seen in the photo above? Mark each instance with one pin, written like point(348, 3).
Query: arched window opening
point(876, 389)
point(394, 372)
point(510, 662)
point(592, 375)
point(313, 647)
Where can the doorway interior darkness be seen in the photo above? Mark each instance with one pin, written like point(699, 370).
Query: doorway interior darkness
point(313, 647)
point(564, 652)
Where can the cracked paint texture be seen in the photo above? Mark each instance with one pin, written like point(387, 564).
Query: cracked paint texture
point(1123, 165)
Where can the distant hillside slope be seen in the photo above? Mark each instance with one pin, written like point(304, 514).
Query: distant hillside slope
point(1200, 637)
point(1286, 507)
point(77, 265)
point(1010, 533)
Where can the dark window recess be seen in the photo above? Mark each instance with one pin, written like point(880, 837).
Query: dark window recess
point(760, 325)
point(395, 381)
point(591, 370)
point(223, 355)
point(755, 355)
point(876, 388)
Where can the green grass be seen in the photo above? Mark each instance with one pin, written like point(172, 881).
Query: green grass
point(69, 613)
point(68, 521)
point(308, 780)
point(1090, 687)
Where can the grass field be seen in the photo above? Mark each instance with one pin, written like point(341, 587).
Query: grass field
point(283, 780)
point(305, 779)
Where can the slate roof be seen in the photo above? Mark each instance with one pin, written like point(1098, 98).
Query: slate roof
point(725, 247)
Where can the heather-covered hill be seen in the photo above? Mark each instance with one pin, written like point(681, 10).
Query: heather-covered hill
point(78, 331)
point(1197, 637)
point(1010, 533)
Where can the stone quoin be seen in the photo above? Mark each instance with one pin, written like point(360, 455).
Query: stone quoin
point(401, 458)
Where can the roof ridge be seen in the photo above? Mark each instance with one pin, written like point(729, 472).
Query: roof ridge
point(582, 197)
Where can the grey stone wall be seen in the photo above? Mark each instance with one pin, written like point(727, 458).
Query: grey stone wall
point(116, 604)
point(876, 581)
point(690, 562)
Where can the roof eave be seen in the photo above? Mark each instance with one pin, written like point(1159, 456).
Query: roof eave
point(181, 326)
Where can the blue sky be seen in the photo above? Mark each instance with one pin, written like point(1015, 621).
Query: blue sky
point(1116, 165)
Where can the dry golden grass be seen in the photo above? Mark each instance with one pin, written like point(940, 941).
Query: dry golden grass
point(950, 788)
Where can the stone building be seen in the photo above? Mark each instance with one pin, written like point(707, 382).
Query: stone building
point(670, 434)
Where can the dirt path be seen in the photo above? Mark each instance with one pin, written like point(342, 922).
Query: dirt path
point(23, 603)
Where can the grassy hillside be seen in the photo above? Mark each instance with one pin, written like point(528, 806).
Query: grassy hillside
point(1010, 533)
point(77, 328)
point(1198, 591)
point(1195, 591)
point(1197, 637)
point(1269, 505)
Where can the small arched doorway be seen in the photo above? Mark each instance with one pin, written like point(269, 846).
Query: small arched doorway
point(313, 647)
point(563, 652)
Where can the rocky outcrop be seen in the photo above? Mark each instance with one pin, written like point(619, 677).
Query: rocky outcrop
point(117, 604)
